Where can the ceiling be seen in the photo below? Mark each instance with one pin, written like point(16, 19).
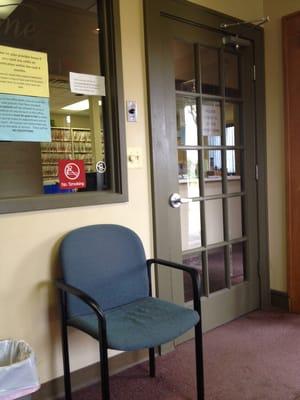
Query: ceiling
point(60, 94)
point(89, 5)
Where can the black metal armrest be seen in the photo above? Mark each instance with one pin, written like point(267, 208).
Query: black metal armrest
point(87, 299)
point(194, 273)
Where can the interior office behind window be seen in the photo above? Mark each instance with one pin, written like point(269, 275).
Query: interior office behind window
point(68, 31)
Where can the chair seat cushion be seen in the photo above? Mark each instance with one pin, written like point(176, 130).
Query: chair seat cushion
point(144, 323)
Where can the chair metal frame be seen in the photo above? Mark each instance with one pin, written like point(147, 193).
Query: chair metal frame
point(65, 290)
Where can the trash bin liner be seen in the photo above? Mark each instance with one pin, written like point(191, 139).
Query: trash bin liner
point(18, 374)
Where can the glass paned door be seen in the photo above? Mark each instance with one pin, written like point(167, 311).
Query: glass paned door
point(215, 152)
point(203, 149)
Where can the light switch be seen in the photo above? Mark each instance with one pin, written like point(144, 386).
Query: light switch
point(134, 157)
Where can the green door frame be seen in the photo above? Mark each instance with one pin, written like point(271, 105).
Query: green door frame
point(185, 11)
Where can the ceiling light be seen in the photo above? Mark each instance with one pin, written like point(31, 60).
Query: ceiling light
point(7, 7)
point(80, 105)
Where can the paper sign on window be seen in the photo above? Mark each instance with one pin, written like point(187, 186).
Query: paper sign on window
point(89, 85)
point(71, 174)
point(23, 72)
point(24, 118)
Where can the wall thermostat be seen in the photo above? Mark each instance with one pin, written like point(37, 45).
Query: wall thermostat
point(131, 111)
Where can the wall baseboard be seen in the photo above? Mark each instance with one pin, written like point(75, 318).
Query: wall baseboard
point(280, 300)
point(90, 375)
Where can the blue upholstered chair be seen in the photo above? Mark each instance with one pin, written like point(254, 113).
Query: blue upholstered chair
point(105, 291)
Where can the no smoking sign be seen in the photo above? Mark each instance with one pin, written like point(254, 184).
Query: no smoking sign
point(71, 174)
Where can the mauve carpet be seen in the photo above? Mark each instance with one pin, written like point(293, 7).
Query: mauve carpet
point(256, 357)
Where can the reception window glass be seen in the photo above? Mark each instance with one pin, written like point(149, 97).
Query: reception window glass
point(53, 100)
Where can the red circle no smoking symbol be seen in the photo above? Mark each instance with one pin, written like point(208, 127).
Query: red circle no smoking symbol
point(72, 171)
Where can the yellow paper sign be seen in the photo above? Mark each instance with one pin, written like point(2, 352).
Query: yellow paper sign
point(23, 72)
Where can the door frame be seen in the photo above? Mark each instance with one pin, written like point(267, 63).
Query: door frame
point(185, 11)
point(292, 146)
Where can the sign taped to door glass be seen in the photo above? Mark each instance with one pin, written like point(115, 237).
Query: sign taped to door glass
point(211, 119)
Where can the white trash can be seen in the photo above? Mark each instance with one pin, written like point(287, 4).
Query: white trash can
point(18, 373)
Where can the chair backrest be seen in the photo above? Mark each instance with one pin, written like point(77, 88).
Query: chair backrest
point(106, 261)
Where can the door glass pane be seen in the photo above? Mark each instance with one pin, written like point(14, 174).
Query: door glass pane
point(190, 225)
point(216, 269)
point(232, 119)
point(234, 184)
point(211, 123)
point(210, 70)
point(188, 176)
point(194, 260)
point(214, 221)
point(232, 79)
point(212, 160)
point(235, 225)
point(233, 161)
point(237, 272)
point(184, 65)
point(186, 120)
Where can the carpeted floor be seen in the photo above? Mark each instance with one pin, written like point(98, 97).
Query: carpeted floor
point(256, 357)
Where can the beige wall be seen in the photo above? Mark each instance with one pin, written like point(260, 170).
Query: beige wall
point(29, 240)
point(275, 139)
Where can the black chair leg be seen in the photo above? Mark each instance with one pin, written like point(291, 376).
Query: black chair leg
point(199, 362)
point(104, 372)
point(152, 362)
point(65, 349)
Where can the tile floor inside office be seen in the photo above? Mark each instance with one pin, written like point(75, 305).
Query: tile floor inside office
point(256, 357)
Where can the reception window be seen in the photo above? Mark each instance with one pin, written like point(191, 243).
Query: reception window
point(61, 122)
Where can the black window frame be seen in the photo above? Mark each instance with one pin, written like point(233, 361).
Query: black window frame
point(114, 128)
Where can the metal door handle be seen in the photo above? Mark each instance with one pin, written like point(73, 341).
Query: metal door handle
point(175, 200)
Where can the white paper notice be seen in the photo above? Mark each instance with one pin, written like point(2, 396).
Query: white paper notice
point(211, 119)
point(90, 85)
